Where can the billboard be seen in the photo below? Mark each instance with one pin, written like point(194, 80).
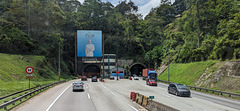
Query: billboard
point(89, 43)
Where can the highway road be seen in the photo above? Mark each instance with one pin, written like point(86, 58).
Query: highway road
point(94, 98)
point(113, 95)
point(197, 102)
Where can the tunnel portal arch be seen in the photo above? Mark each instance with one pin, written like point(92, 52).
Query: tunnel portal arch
point(137, 68)
point(91, 70)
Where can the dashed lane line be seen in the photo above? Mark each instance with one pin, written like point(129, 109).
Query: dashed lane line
point(89, 96)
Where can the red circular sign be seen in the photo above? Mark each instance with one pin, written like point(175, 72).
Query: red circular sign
point(29, 70)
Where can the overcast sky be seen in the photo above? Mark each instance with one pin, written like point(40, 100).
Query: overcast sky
point(144, 6)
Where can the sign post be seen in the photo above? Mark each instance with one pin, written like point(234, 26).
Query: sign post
point(29, 70)
point(151, 97)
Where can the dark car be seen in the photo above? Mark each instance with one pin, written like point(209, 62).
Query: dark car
point(94, 79)
point(179, 89)
point(111, 78)
point(84, 78)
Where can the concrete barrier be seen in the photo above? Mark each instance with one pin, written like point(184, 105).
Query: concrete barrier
point(150, 104)
point(145, 101)
point(133, 96)
point(156, 106)
point(137, 97)
point(140, 100)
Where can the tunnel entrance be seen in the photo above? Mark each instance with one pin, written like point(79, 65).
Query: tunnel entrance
point(91, 70)
point(137, 69)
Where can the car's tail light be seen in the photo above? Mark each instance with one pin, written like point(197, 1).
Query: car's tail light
point(81, 85)
point(74, 85)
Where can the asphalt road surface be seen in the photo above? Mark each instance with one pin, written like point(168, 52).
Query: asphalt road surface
point(197, 101)
point(113, 95)
point(93, 98)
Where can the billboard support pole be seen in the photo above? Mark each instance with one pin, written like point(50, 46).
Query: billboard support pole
point(117, 63)
point(75, 37)
point(103, 57)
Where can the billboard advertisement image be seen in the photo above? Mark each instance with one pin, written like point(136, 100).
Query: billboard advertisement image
point(89, 43)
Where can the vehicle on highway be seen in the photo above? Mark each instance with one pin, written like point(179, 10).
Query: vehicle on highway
point(179, 89)
point(135, 77)
point(94, 79)
point(84, 78)
point(149, 73)
point(151, 82)
point(78, 86)
point(111, 78)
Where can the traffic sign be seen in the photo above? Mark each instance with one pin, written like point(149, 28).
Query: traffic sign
point(29, 70)
point(151, 97)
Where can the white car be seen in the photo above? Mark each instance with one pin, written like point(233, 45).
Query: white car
point(136, 78)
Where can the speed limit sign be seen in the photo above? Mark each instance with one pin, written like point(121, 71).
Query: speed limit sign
point(29, 70)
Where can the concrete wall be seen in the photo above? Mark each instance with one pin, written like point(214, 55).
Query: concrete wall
point(123, 62)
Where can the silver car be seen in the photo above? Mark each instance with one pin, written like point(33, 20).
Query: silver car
point(135, 77)
point(78, 86)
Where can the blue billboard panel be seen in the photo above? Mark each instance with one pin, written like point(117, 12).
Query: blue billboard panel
point(89, 43)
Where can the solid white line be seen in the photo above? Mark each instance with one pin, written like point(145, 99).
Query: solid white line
point(103, 85)
point(89, 96)
point(108, 90)
point(132, 107)
point(113, 93)
point(57, 99)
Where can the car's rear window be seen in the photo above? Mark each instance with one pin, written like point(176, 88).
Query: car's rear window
point(181, 86)
point(79, 83)
point(152, 80)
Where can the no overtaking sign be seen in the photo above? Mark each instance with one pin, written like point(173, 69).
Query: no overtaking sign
point(29, 70)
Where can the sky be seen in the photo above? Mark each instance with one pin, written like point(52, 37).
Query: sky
point(144, 6)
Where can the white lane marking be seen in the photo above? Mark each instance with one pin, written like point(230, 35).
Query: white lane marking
point(113, 93)
point(88, 96)
point(103, 85)
point(57, 99)
point(108, 90)
point(132, 107)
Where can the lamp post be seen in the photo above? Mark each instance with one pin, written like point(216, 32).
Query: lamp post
point(117, 62)
point(59, 70)
point(168, 66)
point(29, 18)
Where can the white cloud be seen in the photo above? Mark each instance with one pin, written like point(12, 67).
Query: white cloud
point(81, 1)
point(145, 9)
point(144, 6)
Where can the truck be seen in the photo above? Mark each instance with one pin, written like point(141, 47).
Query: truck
point(150, 76)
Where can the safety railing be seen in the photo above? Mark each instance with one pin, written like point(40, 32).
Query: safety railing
point(3, 97)
point(13, 101)
point(208, 90)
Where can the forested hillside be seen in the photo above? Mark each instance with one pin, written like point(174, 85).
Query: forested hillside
point(185, 31)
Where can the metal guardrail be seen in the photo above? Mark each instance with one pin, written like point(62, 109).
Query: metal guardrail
point(208, 90)
point(3, 97)
point(4, 105)
point(214, 91)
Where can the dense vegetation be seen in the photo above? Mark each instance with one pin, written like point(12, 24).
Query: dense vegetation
point(13, 75)
point(206, 74)
point(185, 31)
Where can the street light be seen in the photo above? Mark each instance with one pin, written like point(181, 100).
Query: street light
point(117, 62)
point(59, 62)
point(168, 65)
